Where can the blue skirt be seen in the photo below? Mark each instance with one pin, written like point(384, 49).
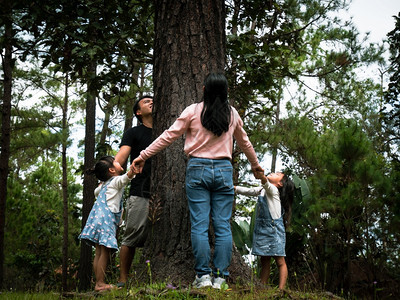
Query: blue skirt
point(269, 237)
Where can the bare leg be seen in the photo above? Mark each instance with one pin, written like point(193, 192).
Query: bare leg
point(96, 258)
point(126, 257)
point(283, 271)
point(102, 256)
point(265, 269)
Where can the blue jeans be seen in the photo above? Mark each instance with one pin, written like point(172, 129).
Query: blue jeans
point(209, 189)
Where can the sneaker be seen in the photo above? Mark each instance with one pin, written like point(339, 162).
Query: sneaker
point(203, 281)
point(220, 283)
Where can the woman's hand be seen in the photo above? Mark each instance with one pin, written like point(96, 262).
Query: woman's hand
point(257, 170)
point(137, 165)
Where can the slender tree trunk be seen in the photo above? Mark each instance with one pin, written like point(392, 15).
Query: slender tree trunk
point(232, 94)
point(275, 147)
point(102, 148)
point(189, 43)
point(5, 129)
point(131, 101)
point(89, 182)
point(347, 278)
point(65, 187)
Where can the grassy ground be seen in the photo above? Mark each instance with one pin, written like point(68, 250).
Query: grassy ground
point(167, 292)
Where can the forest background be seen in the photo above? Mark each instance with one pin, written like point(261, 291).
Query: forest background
point(297, 77)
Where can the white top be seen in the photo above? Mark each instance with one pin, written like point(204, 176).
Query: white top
point(272, 194)
point(114, 191)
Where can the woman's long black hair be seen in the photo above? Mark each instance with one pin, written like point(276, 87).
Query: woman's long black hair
point(286, 194)
point(101, 168)
point(216, 113)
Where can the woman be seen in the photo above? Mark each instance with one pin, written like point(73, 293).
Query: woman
point(209, 127)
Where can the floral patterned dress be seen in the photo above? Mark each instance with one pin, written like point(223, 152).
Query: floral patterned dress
point(101, 225)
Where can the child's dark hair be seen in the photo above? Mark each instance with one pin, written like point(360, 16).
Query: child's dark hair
point(100, 170)
point(286, 194)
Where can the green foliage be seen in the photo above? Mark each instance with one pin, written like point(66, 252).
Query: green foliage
point(394, 42)
point(34, 232)
point(391, 111)
point(295, 45)
point(112, 34)
point(340, 218)
point(242, 234)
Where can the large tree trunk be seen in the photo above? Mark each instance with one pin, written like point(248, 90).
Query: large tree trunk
point(5, 130)
point(189, 43)
point(89, 181)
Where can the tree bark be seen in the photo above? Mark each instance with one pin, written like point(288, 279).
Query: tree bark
point(89, 182)
point(189, 43)
point(5, 129)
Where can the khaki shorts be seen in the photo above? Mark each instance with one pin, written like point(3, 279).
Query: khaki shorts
point(136, 221)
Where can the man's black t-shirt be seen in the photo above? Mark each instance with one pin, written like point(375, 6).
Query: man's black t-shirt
point(138, 138)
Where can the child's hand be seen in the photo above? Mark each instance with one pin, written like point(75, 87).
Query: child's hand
point(131, 173)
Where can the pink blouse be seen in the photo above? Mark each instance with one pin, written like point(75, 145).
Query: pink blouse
point(201, 142)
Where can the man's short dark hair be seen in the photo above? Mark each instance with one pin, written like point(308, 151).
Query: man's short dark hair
point(136, 106)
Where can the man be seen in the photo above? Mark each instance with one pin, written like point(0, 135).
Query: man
point(133, 141)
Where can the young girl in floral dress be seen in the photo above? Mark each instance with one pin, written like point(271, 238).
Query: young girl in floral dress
point(101, 226)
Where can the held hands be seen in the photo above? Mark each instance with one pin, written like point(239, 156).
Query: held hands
point(259, 174)
point(131, 173)
point(256, 170)
point(262, 177)
point(137, 165)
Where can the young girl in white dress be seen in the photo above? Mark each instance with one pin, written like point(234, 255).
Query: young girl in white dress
point(274, 206)
point(100, 230)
